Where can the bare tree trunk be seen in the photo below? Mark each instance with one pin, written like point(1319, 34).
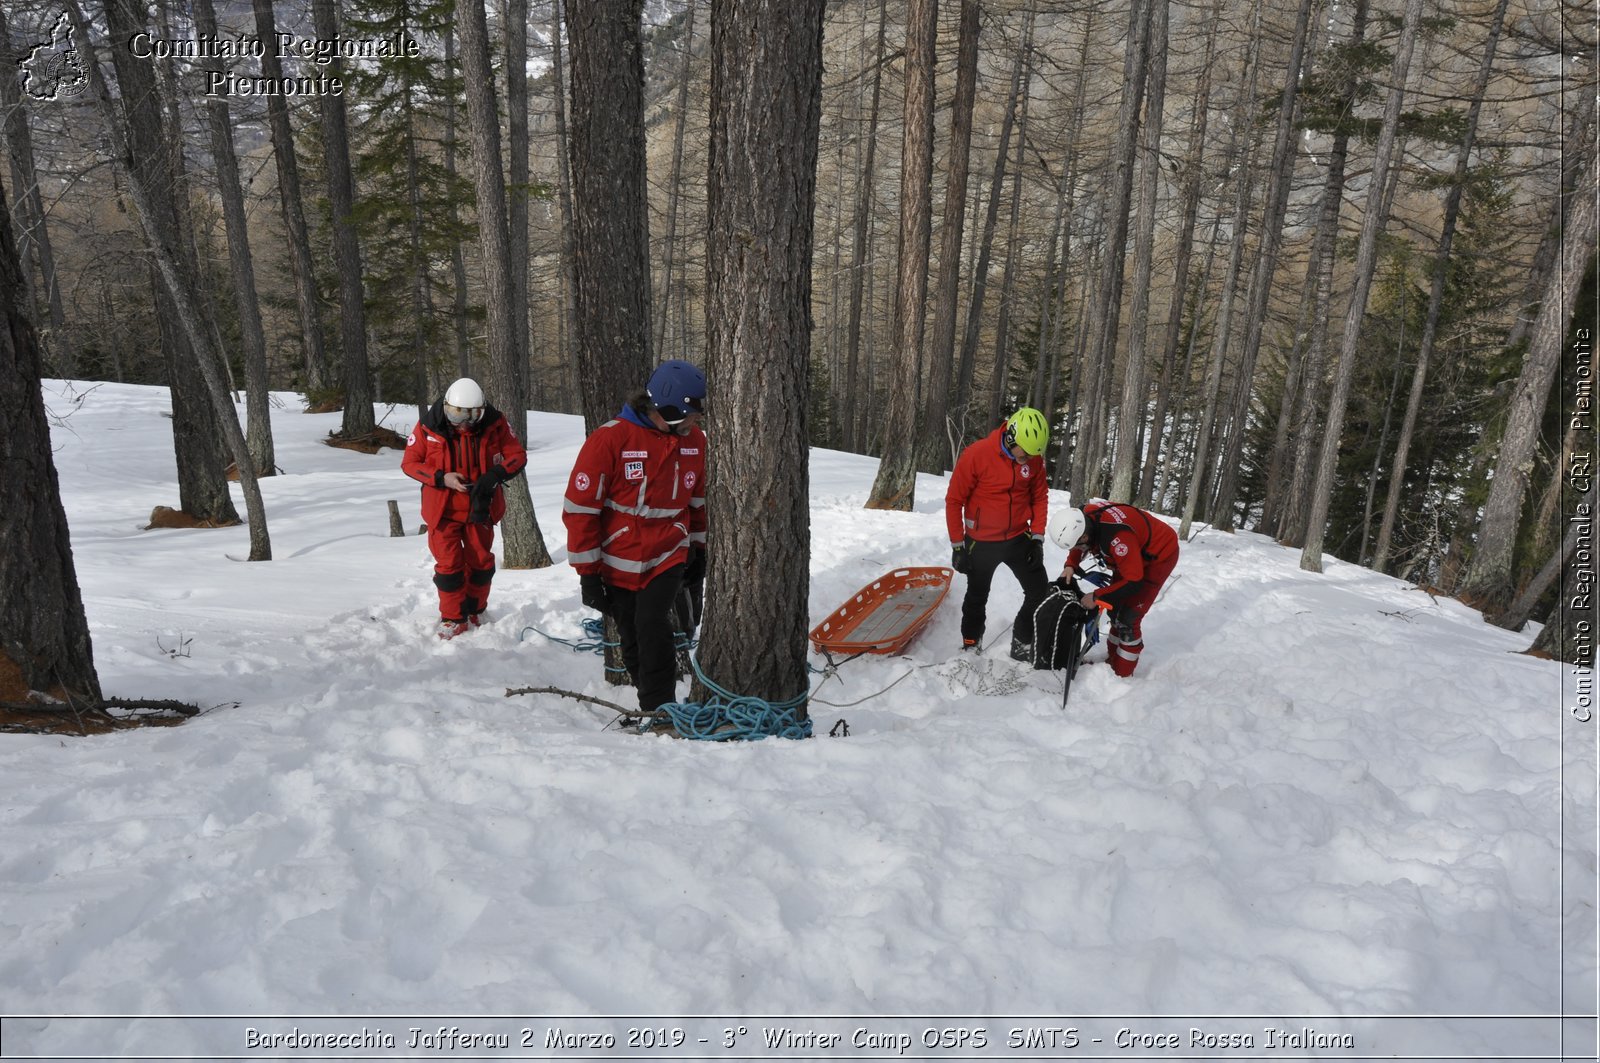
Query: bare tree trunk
point(1366, 258)
point(1108, 304)
point(569, 280)
point(854, 438)
point(1441, 259)
point(1135, 387)
point(421, 353)
point(458, 258)
point(150, 185)
point(1193, 181)
point(1047, 374)
point(1488, 585)
point(28, 203)
point(1580, 130)
point(1000, 374)
point(609, 200)
point(1383, 436)
point(44, 634)
point(936, 452)
point(1282, 176)
point(896, 482)
point(522, 543)
point(358, 418)
point(991, 220)
point(1200, 471)
point(516, 31)
point(253, 337)
point(766, 105)
point(294, 218)
point(675, 176)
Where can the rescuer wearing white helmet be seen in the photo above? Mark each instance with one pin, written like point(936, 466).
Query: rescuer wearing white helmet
point(461, 451)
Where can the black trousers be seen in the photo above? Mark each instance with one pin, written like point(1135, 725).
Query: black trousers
point(646, 625)
point(1017, 555)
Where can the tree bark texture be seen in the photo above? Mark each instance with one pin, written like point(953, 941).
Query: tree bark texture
point(458, 258)
point(318, 376)
point(522, 543)
point(44, 635)
point(137, 147)
point(675, 180)
point(358, 417)
point(1488, 585)
point(1199, 472)
point(28, 204)
point(980, 271)
point(936, 451)
point(896, 482)
point(1441, 260)
point(1372, 226)
point(516, 31)
point(855, 438)
point(611, 245)
point(1281, 175)
point(1194, 176)
point(253, 338)
point(766, 92)
point(1135, 387)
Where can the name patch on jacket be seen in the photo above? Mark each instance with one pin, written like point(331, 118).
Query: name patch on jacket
point(633, 470)
point(689, 450)
point(635, 453)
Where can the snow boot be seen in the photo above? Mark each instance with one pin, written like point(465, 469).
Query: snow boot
point(1021, 651)
point(449, 629)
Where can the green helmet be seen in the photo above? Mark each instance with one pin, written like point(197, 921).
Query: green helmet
point(1027, 429)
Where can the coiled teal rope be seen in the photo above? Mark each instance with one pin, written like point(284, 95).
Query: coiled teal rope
point(725, 717)
point(730, 717)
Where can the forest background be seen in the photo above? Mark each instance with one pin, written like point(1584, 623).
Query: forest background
point(1322, 270)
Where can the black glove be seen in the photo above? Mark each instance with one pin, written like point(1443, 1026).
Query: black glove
point(1035, 554)
point(694, 570)
point(482, 495)
point(593, 590)
point(959, 556)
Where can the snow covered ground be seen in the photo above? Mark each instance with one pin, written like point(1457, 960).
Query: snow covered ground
point(1325, 802)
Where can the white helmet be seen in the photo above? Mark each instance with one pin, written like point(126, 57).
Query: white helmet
point(463, 401)
point(1067, 526)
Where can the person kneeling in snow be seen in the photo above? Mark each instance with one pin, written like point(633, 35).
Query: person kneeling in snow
point(462, 450)
point(1140, 551)
point(636, 521)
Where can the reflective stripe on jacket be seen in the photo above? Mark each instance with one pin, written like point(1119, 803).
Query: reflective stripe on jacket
point(635, 500)
point(1127, 540)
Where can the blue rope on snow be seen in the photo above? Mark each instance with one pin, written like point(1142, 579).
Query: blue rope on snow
point(725, 717)
point(733, 717)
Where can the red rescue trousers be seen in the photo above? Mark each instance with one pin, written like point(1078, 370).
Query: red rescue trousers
point(463, 566)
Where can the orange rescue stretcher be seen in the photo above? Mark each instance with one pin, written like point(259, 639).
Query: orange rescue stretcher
point(886, 614)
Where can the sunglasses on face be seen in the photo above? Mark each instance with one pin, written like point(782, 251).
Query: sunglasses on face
point(462, 414)
point(678, 414)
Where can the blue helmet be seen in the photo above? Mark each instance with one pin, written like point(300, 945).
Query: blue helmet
point(677, 389)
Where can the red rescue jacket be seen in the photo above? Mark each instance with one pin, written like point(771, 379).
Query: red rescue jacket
point(436, 447)
point(1130, 542)
point(635, 500)
point(993, 497)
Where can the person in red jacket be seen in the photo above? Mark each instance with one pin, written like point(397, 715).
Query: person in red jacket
point(636, 521)
point(1139, 549)
point(994, 510)
point(461, 451)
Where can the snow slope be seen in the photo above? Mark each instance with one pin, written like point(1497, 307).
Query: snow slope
point(1325, 796)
